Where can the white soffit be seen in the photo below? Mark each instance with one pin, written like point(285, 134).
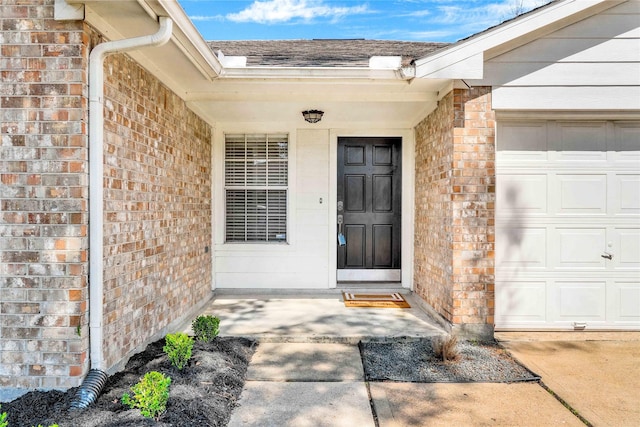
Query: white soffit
point(461, 60)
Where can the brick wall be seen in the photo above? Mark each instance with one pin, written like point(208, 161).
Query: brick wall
point(455, 194)
point(43, 198)
point(157, 202)
point(157, 207)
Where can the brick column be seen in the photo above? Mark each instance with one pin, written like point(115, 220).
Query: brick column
point(455, 194)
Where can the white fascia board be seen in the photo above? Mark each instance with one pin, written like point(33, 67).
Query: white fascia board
point(191, 33)
point(471, 67)
point(452, 61)
point(311, 73)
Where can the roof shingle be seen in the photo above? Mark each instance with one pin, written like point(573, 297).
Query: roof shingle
point(322, 52)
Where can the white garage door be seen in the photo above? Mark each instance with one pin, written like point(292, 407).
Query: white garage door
point(568, 225)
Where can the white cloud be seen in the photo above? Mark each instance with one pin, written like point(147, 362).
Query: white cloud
point(279, 11)
point(415, 14)
point(428, 35)
point(482, 16)
point(206, 18)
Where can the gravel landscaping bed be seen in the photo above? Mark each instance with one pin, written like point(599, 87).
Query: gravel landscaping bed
point(414, 361)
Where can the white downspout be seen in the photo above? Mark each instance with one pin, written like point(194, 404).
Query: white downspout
point(96, 176)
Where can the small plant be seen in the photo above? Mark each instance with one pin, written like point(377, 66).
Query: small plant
point(445, 348)
point(206, 328)
point(178, 348)
point(150, 395)
point(3, 419)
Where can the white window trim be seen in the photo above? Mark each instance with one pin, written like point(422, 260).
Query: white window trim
point(243, 186)
point(254, 249)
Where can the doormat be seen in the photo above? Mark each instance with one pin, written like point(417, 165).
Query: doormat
point(381, 300)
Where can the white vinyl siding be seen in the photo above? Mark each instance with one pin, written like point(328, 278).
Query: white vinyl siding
point(593, 64)
point(256, 187)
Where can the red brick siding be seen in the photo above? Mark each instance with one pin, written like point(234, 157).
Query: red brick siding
point(455, 194)
point(157, 201)
point(433, 252)
point(157, 207)
point(43, 198)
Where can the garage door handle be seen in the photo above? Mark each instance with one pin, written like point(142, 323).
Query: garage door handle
point(607, 256)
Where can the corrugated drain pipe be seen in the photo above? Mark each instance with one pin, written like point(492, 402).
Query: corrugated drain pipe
point(97, 377)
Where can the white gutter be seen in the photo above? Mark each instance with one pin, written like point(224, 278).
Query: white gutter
point(96, 175)
point(313, 73)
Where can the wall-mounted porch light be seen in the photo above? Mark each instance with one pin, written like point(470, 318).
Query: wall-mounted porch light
point(312, 116)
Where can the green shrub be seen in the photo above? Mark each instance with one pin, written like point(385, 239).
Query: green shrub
point(178, 348)
point(5, 423)
point(206, 328)
point(3, 419)
point(150, 395)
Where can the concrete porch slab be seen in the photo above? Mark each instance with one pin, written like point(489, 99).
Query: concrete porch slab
point(474, 404)
point(303, 404)
point(315, 318)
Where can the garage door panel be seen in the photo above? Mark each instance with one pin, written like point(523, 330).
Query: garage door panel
point(526, 301)
point(580, 301)
point(626, 250)
point(626, 194)
point(522, 141)
point(581, 194)
point(522, 194)
point(521, 248)
point(580, 248)
point(626, 146)
point(624, 302)
point(581, 142)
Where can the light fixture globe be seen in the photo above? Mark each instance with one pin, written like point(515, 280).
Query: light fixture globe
point(312, 116)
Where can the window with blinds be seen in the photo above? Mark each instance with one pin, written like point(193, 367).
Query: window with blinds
point(256, 179)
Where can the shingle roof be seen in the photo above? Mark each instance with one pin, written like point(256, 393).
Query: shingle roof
point(322, 52)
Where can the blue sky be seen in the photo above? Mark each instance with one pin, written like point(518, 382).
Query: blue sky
point(410, 20)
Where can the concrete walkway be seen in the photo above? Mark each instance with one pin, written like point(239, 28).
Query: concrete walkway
point(311, 384)
point(307, 371)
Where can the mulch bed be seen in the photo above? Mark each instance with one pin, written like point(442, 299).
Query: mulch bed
point(202, 394)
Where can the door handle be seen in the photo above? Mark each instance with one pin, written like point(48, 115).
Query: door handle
point(341, 239)
point(607, 256)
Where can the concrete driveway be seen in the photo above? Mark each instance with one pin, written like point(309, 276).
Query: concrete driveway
point(596, 374)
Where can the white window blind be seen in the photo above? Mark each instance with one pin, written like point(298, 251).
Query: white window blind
point(256, 187)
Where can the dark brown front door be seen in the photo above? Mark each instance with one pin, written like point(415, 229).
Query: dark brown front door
point(369, 204)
